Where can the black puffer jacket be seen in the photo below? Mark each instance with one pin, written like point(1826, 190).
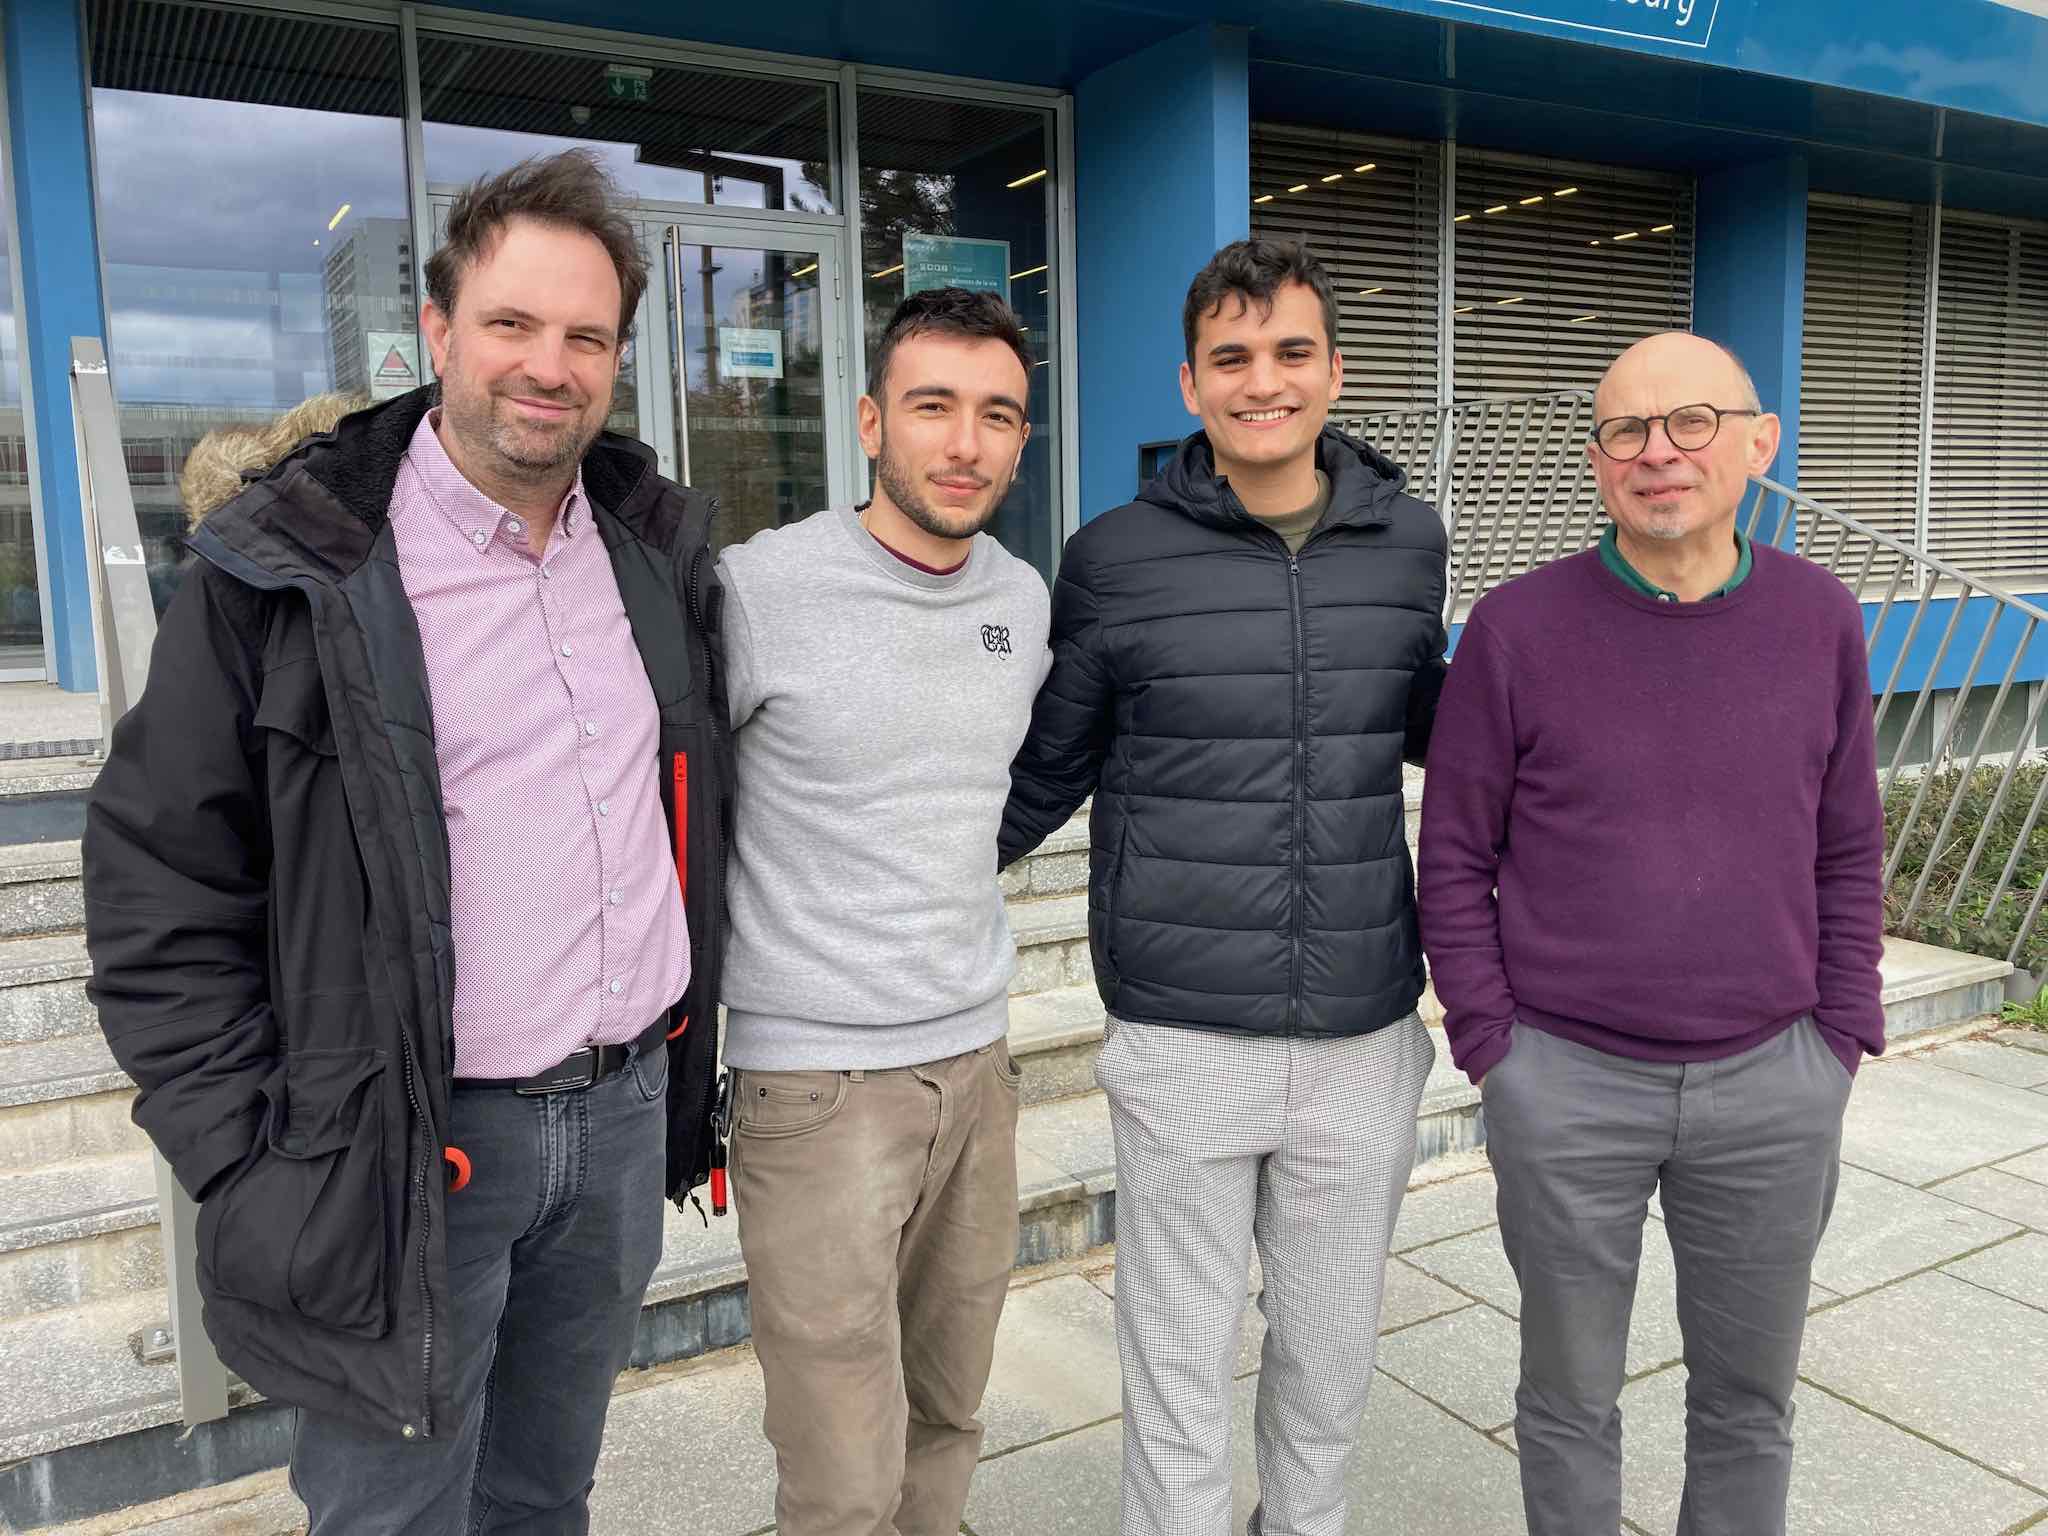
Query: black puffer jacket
point(1241, 716)
point(266, 907)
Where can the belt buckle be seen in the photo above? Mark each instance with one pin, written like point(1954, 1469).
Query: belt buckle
point(578, 1069)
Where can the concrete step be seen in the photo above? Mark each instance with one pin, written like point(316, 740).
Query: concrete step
point(42, 989)
point(82, 1231)
point(90, 1427)
point(39, 889)
point(62, 1099)
point(42, 799)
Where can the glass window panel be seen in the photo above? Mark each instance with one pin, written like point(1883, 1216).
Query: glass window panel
point(669, 134)
point(275, 266)
point(21, 614)
point(930, 165)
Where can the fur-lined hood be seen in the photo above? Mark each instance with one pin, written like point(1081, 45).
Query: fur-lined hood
point(227, 458)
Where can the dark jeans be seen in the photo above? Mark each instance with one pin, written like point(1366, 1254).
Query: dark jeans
point(1745, 1153)
point(550, 1248)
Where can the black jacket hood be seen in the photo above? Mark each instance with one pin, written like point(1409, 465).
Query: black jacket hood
point(1363, 483)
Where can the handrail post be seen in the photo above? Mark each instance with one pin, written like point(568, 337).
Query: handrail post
point(124, 631)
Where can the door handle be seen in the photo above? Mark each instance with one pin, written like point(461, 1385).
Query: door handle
point(672, 250)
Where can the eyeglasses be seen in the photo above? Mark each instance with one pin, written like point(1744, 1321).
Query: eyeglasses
point(1690, 427)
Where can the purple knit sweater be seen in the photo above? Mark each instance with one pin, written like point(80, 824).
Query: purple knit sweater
point(1677, 804)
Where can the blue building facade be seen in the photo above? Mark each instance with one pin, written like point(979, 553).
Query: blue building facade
point(237, 200)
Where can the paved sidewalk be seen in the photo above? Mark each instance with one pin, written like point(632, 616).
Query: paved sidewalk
point(1924, 1407)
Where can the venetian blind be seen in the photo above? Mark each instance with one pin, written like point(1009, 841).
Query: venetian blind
point(1988, 474)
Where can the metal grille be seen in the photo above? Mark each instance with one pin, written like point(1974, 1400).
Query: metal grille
point(1371, 211)
point(1988, 461)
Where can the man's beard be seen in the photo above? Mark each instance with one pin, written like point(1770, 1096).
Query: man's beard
point(521, 451)
point(906, 492)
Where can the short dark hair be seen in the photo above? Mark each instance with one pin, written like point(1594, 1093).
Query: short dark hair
point(570, 190)
point(1255, 270)
point(948, 312)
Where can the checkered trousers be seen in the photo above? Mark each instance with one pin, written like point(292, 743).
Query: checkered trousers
point(1304, 1147)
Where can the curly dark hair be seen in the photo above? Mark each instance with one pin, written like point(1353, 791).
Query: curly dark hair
point(570, 190)
point(1255, 270)
point(948, 312)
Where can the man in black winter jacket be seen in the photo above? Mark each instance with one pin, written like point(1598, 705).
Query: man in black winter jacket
point(1242, 658)
point(402, 893)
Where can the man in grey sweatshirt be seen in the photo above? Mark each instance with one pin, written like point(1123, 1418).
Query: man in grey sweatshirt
point(880, 665)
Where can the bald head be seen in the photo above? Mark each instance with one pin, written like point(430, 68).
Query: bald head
point(1678, 367)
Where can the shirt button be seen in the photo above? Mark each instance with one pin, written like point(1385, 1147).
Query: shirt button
point(616, 985)
point(513, 525)
point(546, 574)
point(604, 807)
point(568, 649)
point(617, 896)
point(480, 538)
point(590, 727)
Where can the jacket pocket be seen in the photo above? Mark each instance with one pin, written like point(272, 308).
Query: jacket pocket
point(302, 1228)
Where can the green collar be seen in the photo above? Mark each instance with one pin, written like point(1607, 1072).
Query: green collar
point(1630, 577)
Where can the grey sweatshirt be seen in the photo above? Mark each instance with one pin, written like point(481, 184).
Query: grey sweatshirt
point(875, 710)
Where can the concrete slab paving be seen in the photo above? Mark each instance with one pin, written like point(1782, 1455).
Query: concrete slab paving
point(2001, 1194)
point(1882, 1230)
point(1449, 1209)
point(1467, 1362)
point(2032, 1166)
point(2018, 1269)
point(1412, 1297)
point(1946, 1359)
point(1916, 1122)
point(2023, 1039)
point(683, 1451)
point(1993, 1061)
point(1055, 1368)
point(1852, 1474)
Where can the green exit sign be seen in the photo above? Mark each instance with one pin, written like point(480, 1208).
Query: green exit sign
point(627, 82)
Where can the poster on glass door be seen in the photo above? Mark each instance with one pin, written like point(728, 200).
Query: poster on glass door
point(745, 352)
point(948, 261)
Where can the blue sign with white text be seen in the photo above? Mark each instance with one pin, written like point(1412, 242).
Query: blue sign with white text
point(1689, 23)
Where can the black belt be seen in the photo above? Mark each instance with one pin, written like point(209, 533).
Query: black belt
point(579, 1069)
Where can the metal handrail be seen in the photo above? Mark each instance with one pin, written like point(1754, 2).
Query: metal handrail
point(1513, 484)
point(124, 632)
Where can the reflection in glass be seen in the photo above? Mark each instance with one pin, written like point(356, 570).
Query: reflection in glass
point(753, 427)
point(21, 615)
point(932, 166)
point(668, 134)
point(275, 266)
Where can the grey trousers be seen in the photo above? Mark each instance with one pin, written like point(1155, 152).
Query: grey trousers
point(1744, 1151)
point(1222, 1141)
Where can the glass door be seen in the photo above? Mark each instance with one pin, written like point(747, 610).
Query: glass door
point(757, 371)
point(735, 373)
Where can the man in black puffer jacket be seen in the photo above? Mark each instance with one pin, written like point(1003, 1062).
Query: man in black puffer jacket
point(1242, 658)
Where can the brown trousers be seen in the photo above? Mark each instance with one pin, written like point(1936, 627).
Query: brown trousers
point(878, 1218)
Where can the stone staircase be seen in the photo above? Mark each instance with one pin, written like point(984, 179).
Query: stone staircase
point(92, 1420)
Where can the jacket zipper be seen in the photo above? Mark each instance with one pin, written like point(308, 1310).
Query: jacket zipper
point(1300, 784)
point(419, 1184)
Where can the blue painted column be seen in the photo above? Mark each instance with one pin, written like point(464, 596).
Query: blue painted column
point(47, 92)
point(1162, 177)
point(1749, 284)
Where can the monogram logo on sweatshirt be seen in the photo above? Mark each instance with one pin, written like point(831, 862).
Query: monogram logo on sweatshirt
point(995, 639)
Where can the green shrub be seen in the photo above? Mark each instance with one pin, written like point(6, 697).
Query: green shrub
point(1969, 929)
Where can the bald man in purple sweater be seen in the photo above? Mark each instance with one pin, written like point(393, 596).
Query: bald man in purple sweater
point(1651, 899)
